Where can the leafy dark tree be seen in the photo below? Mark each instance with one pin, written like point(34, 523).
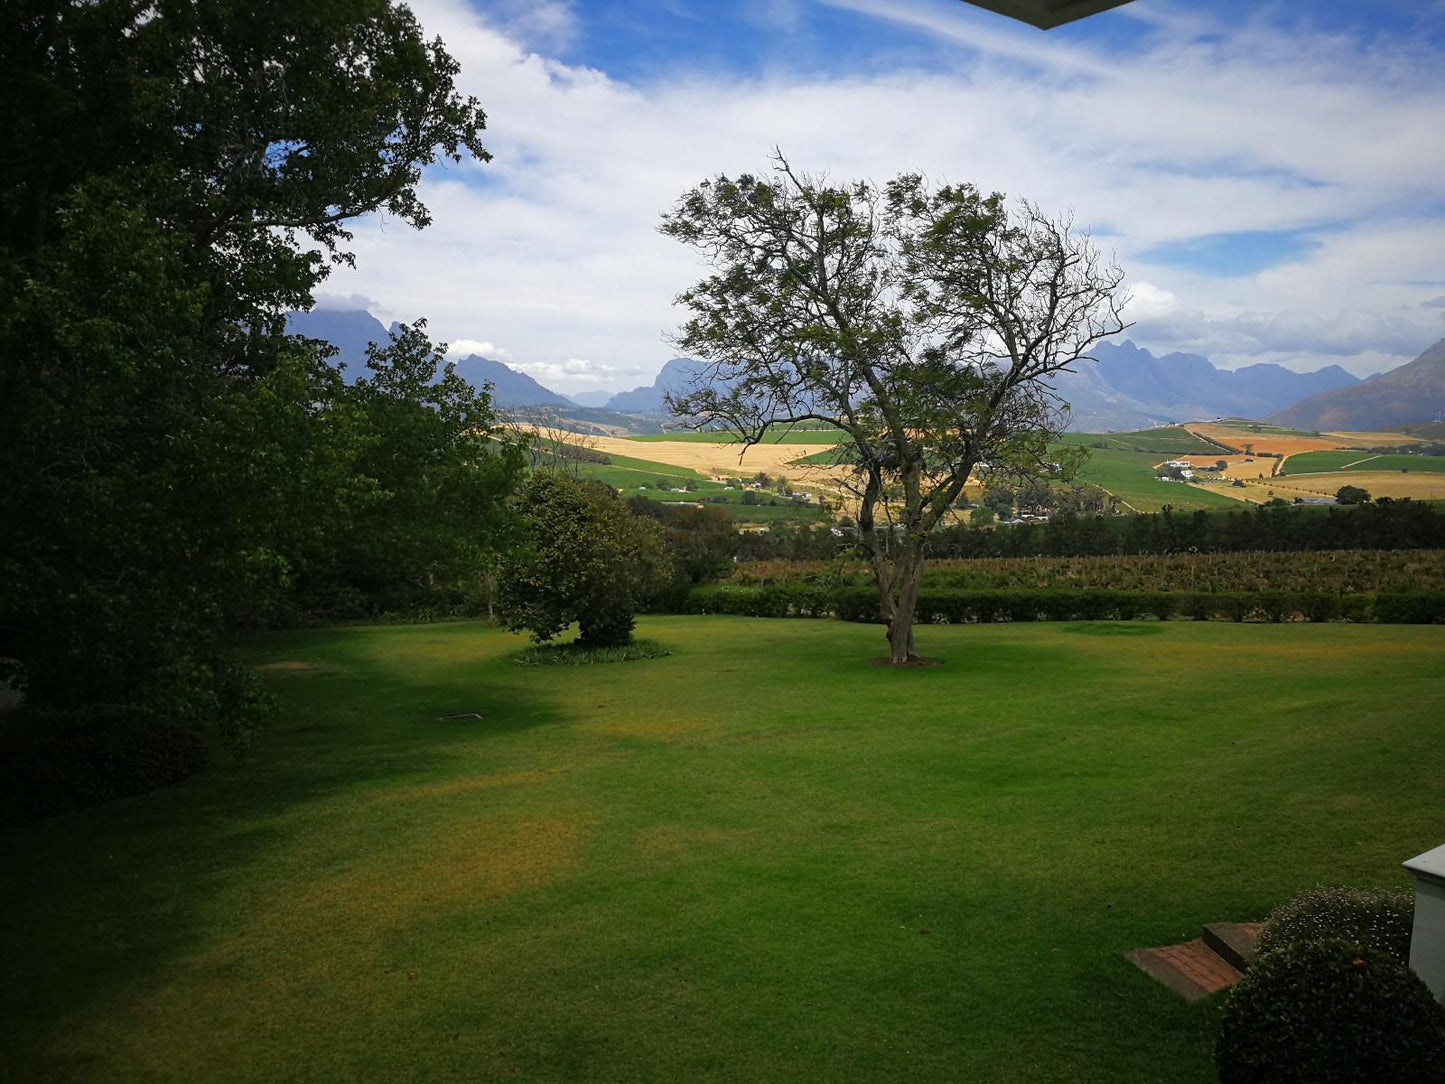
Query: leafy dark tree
point(1352, 495)
point(429, 477)
point(582, 557)
point(1001, 499)
point(183, 176)
point(924, 323)
point(700, 541)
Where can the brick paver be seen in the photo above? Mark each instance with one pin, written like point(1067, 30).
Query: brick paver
point(1190, 969)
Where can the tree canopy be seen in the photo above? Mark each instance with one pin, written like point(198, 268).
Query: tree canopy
point(923, 321)
point(182, 175)
point(583, 557)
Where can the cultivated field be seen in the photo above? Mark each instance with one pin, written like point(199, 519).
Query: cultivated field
point(757, 859)
point(776, 436)
point(716, 459)
point(1172, 439)
point(1324, 462)
point(1263, 438)
point(1376, 440)
point(1130, 477)
point(1417, 484)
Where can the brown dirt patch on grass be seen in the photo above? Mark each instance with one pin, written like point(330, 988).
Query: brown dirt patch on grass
point(449, 788)
point(464, 862)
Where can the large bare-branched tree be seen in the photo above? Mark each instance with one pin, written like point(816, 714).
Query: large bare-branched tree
point(924, 322)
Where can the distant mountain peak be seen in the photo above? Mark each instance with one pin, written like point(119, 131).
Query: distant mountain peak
point(351, 331)
point(1415, 392)
point(676, 376)
point(1131, 387)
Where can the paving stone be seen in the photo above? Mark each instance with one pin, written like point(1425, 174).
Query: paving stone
point(1192, 969)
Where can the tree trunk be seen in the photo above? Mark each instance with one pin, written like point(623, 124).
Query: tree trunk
point(899, 595)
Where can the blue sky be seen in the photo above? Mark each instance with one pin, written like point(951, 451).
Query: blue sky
point(1268, 175)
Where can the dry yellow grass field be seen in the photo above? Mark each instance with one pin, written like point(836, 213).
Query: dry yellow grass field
point(1247, 467)
point(1375, 440)
point(718, 460)
point(1419, 485)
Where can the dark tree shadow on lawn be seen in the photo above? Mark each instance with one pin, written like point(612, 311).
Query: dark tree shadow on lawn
point(100, 900)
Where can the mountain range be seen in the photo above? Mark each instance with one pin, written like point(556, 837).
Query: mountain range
point(351, 331)
point(1128, 387)
point(1415, 392)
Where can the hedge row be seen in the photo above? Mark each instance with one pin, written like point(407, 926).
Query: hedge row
point(959, 606)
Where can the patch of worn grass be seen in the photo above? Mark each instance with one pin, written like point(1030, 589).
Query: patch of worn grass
point(759, 858)
point(576, 653)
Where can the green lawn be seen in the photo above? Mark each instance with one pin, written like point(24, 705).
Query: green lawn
point(1318, 462)
point(757, 859)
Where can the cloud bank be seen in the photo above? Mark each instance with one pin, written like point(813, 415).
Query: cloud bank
point(1195, 130)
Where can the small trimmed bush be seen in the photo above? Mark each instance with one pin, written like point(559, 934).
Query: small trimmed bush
point(1379, 920)
point(1328, 1012)
point(577, 653)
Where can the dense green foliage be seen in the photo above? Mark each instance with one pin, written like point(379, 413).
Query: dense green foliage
point(580, 557)
point(170, 462)
point(1347, 495)
point(1378, 920)
point(430, 470)
point(754, 853)
point(1383, 525)
point(1347, 572)
point(54, 762)
point(1330, 1012)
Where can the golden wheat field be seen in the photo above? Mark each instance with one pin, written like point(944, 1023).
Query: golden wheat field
point(718, 460)
point(1419, 485)
point(1375, 440)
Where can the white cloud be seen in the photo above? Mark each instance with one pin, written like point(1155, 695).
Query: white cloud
point(581, 374)
point(346, 302)
point(465, 348)
point(553, 249)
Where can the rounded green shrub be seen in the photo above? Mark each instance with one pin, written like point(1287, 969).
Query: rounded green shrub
point(1380, 920)
point(1329, 1012)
